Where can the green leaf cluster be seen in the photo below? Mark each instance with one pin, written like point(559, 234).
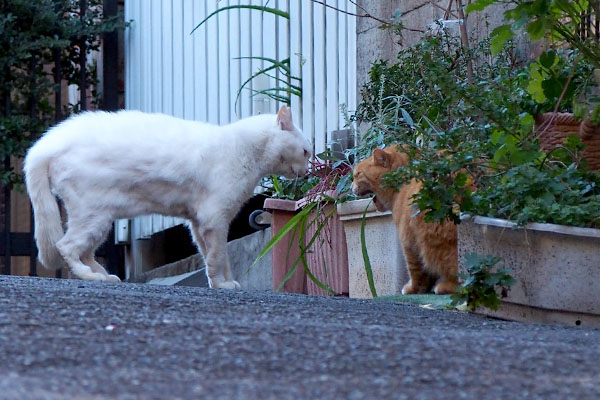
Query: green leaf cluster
point(557, 20)
point(473, 145)
point(34, 34)
point(279, 71)
point(482, 287)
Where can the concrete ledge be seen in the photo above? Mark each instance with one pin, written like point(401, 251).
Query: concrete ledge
point(242, 252)
point(194, 278)
point(187, 265)
point(521, 313)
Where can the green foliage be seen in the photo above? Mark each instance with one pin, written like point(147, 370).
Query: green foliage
point(556, 194)
point(266, 9)
point(472, 145)
point(284, 89)
point(288, 189)
point(32, 34)
point(480, 284)
point(558, 20)
point(279, 71)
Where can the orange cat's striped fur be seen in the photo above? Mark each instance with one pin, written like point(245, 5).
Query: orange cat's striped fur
point(430, 249)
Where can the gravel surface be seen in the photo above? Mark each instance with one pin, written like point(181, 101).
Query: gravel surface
point(68, 339)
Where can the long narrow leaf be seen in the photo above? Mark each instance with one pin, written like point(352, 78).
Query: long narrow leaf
point(275, 11)
point(303, 250)
point(365, 254)
point(287, 277)
point(260, 72)
point(284, 230)
point(276, 184)
point(292, 270)
point(283, 64)
point(285, 81)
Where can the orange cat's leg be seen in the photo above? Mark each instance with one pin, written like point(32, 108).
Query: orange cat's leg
point(442, 261)
point(446, 286)
point(420, 280)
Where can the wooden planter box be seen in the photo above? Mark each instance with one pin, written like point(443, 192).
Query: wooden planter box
point(383, 245)
point(327, 258)
point(556, 268)
point(287, 250)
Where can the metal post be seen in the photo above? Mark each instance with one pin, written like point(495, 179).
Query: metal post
point(7, 252)
point(32, 116)
point(83, 58)
point(110, 59)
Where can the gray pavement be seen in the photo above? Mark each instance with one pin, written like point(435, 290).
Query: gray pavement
point(67, 339)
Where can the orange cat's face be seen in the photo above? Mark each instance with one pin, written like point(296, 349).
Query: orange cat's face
point(368, 176)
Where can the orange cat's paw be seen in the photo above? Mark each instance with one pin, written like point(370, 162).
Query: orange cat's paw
point(445, 287)
point(409, 288)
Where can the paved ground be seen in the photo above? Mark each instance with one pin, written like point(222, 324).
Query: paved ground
point(64, 339)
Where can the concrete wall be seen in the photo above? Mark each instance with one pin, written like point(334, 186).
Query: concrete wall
point(242, 253)
point(375, 44)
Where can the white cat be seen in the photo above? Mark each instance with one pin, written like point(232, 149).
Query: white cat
point(105, 166)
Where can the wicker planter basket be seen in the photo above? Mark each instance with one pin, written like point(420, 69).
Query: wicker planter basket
point(554, 128)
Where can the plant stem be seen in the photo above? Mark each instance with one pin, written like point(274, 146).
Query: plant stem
point(464, 38)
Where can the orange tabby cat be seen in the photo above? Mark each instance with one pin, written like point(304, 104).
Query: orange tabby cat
point(430, 249)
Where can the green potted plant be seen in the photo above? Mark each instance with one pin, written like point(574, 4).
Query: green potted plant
point(308, 241)
point(283, 206)
point(557, 24)
point(463, 131)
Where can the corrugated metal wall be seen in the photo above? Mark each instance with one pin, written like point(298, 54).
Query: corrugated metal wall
point(197, 76)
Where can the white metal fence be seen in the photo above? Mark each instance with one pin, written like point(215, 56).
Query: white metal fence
point(197, 76)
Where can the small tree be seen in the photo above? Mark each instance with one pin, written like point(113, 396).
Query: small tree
point(42, 43)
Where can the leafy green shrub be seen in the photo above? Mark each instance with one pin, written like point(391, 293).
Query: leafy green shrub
point(472, 144)
point(34, 34)
point(480, 284)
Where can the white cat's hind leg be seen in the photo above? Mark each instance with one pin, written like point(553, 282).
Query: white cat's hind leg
point(95, 266)
point(81, 235)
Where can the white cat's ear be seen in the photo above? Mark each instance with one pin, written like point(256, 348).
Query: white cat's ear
point(380, 157)
point(284, 119)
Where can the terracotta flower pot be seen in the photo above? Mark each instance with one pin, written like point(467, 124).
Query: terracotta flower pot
point(287, 250)
point(553, 128)
point(327, 258)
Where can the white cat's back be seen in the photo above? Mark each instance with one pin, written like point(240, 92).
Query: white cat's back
point(110, 145)
point(123, 131)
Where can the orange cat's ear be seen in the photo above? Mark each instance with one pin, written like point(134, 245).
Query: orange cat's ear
point(381, 158)
point(284, 119)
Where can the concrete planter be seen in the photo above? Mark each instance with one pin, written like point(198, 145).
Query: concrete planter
point(383, 246)
point(556, 268)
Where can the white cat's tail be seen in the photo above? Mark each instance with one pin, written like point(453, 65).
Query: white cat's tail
point(48, 226)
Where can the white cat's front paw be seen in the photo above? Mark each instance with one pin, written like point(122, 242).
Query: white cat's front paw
point(113, 278)
point(91, 276)
point(225, 285)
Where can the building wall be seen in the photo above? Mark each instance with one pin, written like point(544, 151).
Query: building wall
point(375, 44)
